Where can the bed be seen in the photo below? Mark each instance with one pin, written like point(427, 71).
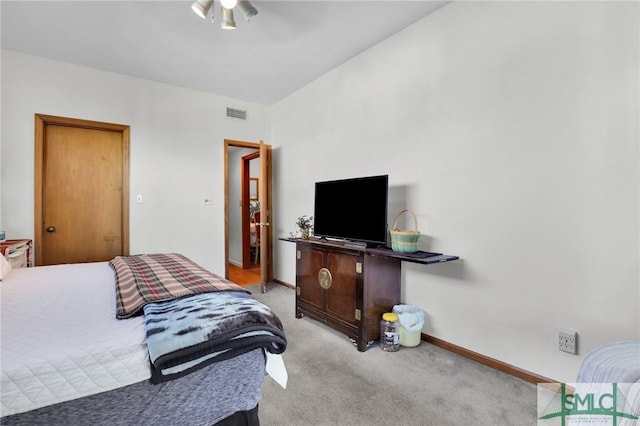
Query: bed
point(67, 359)
point(613, 363)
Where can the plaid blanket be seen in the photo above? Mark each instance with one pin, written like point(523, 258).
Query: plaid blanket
point(147, 278)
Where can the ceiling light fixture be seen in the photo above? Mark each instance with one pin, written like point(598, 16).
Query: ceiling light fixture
point(247, 9)
point(202, 7)
point(227, 19)
point(229, 4)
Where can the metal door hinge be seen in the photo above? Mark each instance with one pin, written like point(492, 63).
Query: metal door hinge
point(298, 291)
point(358, 267)
point(298, 254)
point(358, 314)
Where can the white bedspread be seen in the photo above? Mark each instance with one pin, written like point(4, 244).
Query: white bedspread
point(61, 339)
point(619, 363)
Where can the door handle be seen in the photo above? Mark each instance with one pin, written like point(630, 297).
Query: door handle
point(324, 278)
point(263, 224)
point(51, 229)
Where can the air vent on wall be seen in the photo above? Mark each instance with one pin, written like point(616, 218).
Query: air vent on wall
point(236, 113)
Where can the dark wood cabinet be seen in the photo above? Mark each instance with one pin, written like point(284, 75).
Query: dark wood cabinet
point(345, 288)
point(348, 287)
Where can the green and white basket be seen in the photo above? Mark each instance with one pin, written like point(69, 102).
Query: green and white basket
point(404, 241)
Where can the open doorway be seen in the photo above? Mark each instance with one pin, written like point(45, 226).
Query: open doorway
point(244, 215)
point(250, 209)
point(248, 236)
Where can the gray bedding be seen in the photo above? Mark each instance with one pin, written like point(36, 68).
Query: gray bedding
point(203, 397)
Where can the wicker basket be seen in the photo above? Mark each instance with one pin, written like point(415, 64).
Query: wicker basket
point(404, 241)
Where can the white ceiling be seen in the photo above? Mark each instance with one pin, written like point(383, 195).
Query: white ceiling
point(286, 46)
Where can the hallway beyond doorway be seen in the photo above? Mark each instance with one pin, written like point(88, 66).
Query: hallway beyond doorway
point(244, 277)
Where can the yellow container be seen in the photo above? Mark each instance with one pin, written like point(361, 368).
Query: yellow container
point(409, 339)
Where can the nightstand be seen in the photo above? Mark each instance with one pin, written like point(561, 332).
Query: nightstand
point(17, 252)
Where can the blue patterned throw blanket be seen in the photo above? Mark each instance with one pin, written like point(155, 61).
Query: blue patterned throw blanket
point(190, 332)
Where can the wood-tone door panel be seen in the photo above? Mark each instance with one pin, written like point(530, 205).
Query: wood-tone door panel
point(341, 296)
point(309, 264)
point(266, 235)
point(81, 191)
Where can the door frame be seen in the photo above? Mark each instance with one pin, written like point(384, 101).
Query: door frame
point(266, 262)
point(41, 122)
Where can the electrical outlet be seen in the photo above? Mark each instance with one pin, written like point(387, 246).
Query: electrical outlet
point(568, 341)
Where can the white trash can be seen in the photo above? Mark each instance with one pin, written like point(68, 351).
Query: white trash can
point(411, 319)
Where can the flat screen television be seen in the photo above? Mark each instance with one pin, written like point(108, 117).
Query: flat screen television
point(352, 209)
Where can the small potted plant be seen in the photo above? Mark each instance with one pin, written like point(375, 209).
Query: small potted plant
point(304, 223)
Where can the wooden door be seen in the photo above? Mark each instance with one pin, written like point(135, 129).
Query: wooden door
point(346, 269)
point(264, 197)
point(309, 291)
point(81, 191)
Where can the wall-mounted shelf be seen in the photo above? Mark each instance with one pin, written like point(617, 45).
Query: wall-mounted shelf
point(423, 257)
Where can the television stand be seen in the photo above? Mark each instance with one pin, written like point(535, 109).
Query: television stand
point(349, 287)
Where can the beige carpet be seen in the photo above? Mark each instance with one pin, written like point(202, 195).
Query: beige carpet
point(331, 383)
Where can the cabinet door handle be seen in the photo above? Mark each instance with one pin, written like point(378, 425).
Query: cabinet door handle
point(324, 278)
point(51, 229)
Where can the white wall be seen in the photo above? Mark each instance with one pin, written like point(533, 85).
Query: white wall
point(512, 130)
point(177, 149)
